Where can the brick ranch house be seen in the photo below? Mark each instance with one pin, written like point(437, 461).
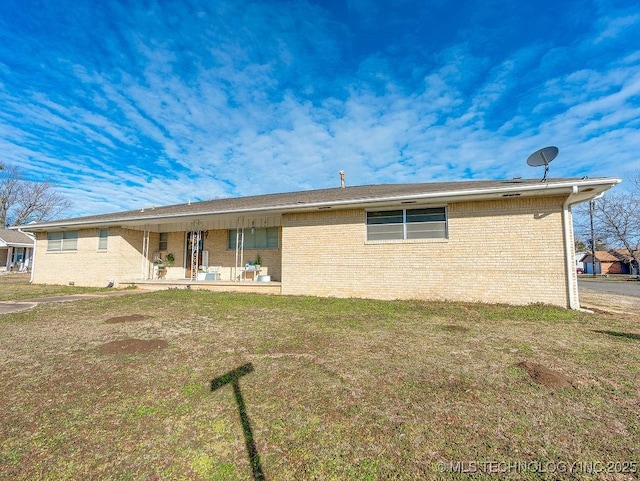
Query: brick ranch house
point(16, 250)
point(402, 241)
point(614, 261)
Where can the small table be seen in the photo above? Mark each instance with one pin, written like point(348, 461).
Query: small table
point(254, 270)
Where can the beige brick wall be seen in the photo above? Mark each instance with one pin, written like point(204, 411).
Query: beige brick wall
point(88, 266)
point(508, 251)
point(175, 245)
point(122, 261)
point(498, 251)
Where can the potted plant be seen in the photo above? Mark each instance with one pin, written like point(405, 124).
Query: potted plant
point(159, 269)
point(157, 260)
point(169, 259)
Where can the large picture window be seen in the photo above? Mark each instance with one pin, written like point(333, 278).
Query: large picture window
point(258, 238)
point(62, 241)
point(403, 224)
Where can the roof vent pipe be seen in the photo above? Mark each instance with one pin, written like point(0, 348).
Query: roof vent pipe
point(342, 184)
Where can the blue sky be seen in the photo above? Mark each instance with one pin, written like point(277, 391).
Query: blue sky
point(130, 104)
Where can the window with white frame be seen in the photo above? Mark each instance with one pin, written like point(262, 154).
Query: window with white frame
point(164, 241)
point(103, 239)
point(256, 238)
point(62, 241)
point(404, 224)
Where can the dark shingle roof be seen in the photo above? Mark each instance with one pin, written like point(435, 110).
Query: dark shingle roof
point(15, 237)
point(298, 200)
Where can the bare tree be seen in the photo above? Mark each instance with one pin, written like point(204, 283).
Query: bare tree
point(23, 201)
point(617, 219)
point(9, 180)
point(635, 180)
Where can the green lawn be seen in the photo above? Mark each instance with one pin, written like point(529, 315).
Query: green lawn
point(327, 389)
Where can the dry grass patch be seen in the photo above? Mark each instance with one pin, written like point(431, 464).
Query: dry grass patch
point(15, 287)
point(132, 346)
point(338, 389)
point(606, 302)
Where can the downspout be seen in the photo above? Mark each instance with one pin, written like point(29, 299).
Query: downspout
point(9, 258)
point(33, 255)
point(33, 262)
point(572, 281)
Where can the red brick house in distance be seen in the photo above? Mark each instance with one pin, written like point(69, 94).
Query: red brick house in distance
point(609, 262)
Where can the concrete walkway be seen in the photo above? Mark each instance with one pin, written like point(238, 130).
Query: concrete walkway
point(10, 307)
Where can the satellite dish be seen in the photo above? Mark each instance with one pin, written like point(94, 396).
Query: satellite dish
point(543, 157)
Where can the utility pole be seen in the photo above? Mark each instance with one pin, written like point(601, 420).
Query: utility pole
point(593, 238)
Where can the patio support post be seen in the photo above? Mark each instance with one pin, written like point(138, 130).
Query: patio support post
point(144, 275)
point(239, 248)
point(195, 249)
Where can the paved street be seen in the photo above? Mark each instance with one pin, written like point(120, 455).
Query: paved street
point(623, 288)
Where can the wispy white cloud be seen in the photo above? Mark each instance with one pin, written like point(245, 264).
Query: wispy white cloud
point(217, 100)
point(613, 27)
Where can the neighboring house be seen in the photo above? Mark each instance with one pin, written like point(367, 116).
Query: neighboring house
point(614, 261)
point(16, 250)
point(603, 259)
point(579, 264)
point(402, 241)
point(625, 256)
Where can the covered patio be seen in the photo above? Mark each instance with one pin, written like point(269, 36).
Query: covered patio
point(214, 251)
